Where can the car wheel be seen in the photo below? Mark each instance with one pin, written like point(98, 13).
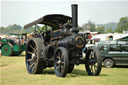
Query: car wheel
point(108, 63)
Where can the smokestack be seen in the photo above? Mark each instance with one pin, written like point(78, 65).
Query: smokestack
point(74, 18)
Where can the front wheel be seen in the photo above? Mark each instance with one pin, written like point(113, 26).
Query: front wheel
point(61, 62)
point(94, 62)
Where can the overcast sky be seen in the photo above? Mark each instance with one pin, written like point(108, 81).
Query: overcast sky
point(99, 12)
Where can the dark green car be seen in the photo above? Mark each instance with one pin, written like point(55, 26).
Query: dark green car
point(114, 52)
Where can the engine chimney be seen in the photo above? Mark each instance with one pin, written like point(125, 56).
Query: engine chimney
point(74, 18)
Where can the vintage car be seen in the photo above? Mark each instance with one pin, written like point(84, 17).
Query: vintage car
point(60, 47)
point(114, 52)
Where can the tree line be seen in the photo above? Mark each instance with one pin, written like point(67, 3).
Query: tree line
point(121, 26)
point(15, 29)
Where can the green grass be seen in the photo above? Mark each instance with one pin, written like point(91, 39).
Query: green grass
point(13, 72)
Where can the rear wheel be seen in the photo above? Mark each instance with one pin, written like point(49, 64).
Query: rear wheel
point(61, 62)
point(34, 58)
point(108, 63)
point(94, 62)
point(7, 49)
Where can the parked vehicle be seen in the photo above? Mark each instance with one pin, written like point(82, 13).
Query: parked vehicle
point(0, 42)
point(114, 52)
point(10, 47)
point(60, 47)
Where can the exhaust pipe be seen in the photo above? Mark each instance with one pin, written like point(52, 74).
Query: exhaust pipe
point(74, 18)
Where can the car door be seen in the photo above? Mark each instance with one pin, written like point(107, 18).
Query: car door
point(115, 53)
point(124, 56)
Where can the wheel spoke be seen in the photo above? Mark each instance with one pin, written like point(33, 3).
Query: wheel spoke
point(90, 57)
point(30, 60)
point(95, 68)
point(33, 44)
point(58, 57)
point(95, 65)
point(29, 52)
point(33, 68)
point(31, 65)
point(62, 68)
point(62, 58)
point(59, 54)
point(93, 54)
point(32, 47)
point(59, 68)
point(92, 68)
point(62, 63)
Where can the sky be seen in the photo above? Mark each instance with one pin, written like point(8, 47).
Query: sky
point(99, 12)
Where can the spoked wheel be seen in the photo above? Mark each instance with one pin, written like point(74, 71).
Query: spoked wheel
point(34, 58)
point(61, 62)
point(94, 62)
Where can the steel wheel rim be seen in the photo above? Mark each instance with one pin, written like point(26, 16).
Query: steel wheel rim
point(59, 62)
point(31, 59)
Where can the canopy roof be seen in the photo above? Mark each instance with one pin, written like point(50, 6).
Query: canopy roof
point(52, 20)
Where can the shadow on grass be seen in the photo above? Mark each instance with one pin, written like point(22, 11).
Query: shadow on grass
point(121, 66)
point(49, 71)
point(3, 65)
point(22, 55)
point(75, 73)
point(79, 72)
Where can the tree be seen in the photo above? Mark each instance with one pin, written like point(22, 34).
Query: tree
point(89, 26)
point(109, 30)
point(122, 25)
point(100, 29)
point(28, 30)
point(92, 26)
point(11, 29)
point(2, 29)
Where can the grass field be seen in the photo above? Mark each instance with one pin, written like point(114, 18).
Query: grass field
point(13, 72)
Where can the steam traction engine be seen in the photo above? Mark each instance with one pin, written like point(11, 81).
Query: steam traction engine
point(61, 46)
point(13, 47)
